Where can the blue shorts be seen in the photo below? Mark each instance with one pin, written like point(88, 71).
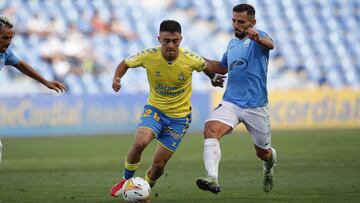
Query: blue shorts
point(168, 131)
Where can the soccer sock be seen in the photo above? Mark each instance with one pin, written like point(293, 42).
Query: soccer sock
point(149, 180)
point(130, 169)
point(212, 156)
point(269, 164)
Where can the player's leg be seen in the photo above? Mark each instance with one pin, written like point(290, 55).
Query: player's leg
point(148, 127)
point(257, 123)
point(174, 129)
point(143, 137)
point(269, 159)
point(161, 157)
point(221, 121)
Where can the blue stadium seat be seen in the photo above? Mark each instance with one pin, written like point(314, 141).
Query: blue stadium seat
point(317, 36)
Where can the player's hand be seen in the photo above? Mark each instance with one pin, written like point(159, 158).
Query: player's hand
point(116, 84)
point(218, 80)
point(55, 85)
point(253, 34)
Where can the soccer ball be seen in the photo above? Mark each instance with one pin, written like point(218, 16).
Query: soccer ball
point(136, 189)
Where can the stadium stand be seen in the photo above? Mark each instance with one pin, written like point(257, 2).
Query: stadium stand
point(81, 42)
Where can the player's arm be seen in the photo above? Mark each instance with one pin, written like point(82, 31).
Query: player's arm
point(119, 73)
point(254, 35)
point(215, 66)
point(215, 72)
point(31, 72)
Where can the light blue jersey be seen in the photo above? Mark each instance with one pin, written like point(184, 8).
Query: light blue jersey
point(8, 58)
point(247, 63)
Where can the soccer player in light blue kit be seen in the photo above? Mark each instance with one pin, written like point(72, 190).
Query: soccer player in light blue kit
point(245, 99)
point(8, 58)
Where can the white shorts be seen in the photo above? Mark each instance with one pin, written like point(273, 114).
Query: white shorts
point(256, 121)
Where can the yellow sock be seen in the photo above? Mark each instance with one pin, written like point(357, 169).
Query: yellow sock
point(130, 169)
point(148, 179)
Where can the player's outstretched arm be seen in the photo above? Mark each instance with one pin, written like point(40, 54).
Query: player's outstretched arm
point(31, 72)
point(215, 66)
point(119, 73)
point(215, 72)
point(217, 80)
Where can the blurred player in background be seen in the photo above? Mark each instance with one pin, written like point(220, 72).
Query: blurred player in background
point(245, 99)
point(8, 58)
point(167, 114)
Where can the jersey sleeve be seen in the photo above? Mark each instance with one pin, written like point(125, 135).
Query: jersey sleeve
point(135, 60)
point(200, 64)
point(223, 61)
point(11, 59)
point(263, 34)
point(197, 62)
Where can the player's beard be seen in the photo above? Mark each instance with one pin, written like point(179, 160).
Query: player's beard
point(4, 47)
point(240, 35)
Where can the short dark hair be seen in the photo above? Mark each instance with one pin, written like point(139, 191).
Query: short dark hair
point(5, 22)
point(170, 26)
point(244, 7)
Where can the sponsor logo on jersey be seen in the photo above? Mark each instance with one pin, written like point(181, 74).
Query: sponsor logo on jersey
point(241, 63)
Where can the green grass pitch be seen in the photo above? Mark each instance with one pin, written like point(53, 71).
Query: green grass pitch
point(313, 166)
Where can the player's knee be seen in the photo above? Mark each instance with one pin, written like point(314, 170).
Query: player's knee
point(139, 145)
point(264, 154)
point(210, 132)
point(141, 141)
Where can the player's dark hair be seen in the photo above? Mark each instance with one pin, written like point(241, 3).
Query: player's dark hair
point(4, 21)
point(244, 7)
point(170, 26)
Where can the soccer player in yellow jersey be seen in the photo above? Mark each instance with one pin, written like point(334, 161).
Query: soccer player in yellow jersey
point(167, 114)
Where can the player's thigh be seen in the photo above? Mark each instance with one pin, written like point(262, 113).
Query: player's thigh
point(216, 129)
point(173, 132)
point(222, 120)
point(143, 136)
point(257, 123)
point(150, 125)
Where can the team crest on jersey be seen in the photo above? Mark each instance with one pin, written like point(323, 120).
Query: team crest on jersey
point(157, 74)
point(181, 77)
point(246, 43)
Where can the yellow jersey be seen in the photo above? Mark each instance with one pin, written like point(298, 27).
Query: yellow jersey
point(170, 82)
